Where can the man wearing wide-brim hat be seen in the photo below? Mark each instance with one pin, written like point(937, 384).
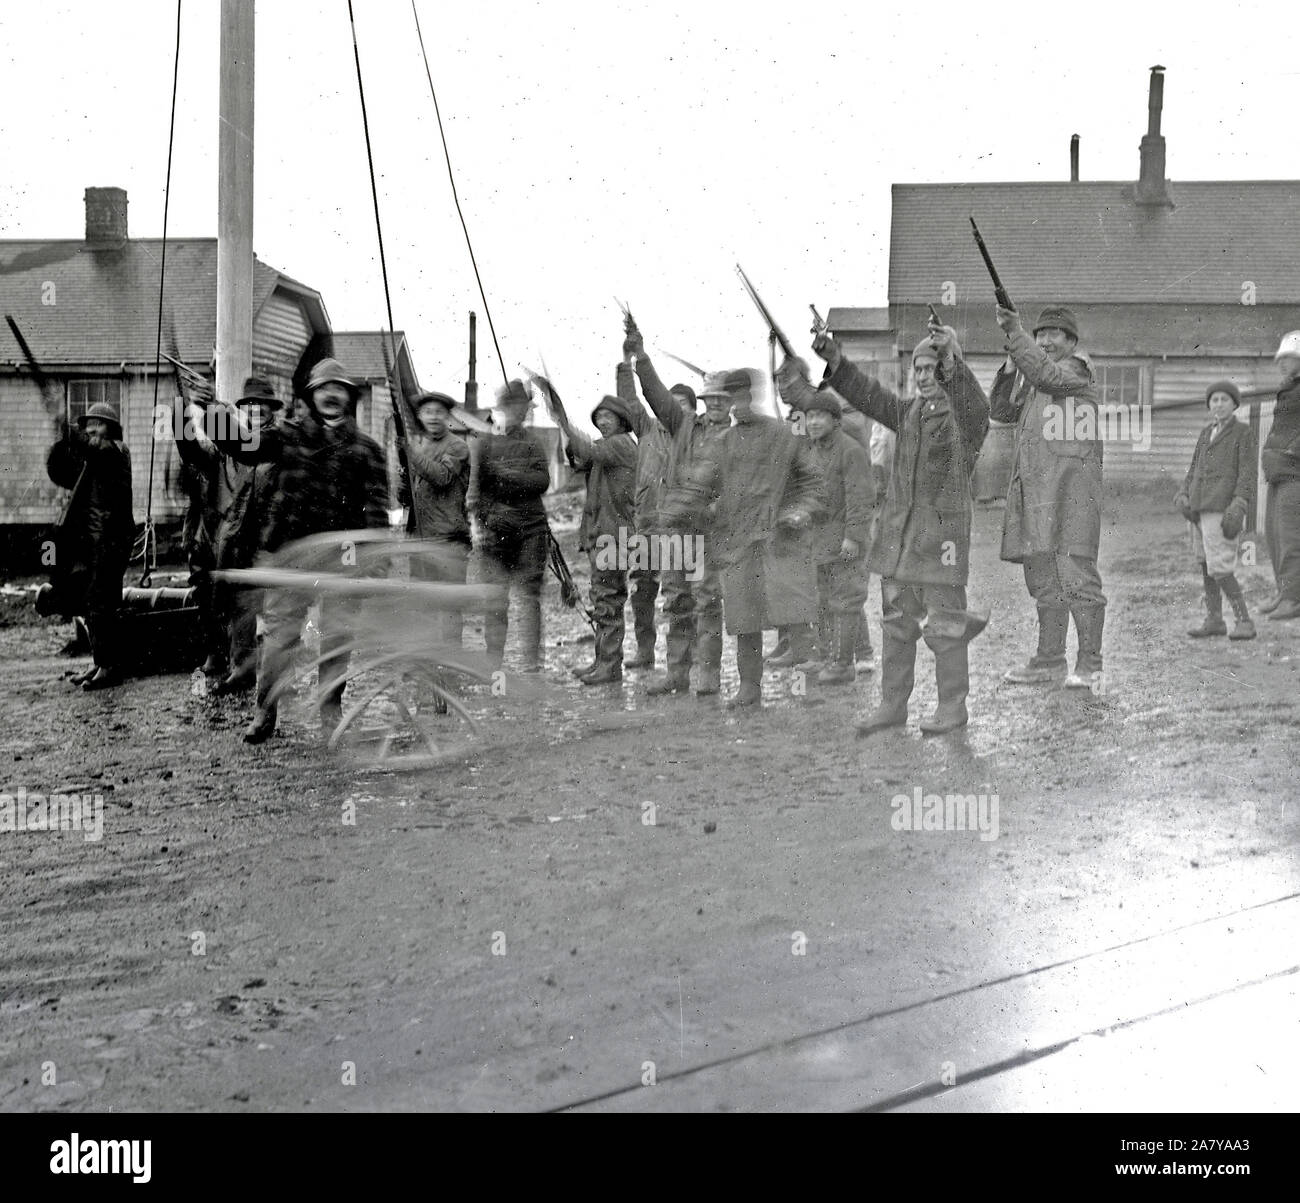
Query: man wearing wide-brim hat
point(513, 476)
point(440, 470)
point(94, 541)
point(1053, 517)
point(1280, 460)
point(769, 492)
point(326, 476)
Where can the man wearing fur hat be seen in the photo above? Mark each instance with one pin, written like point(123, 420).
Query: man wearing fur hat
point(1053, 516)
point(1280, 459)
point(770, 491)
point(610, 464)
point(96, 534)
point(840, 536)
point(921, 547)
point(684, 508)
point(513, 476)
point(327, 476)
point(440, 470)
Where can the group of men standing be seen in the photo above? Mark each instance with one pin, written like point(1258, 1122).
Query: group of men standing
point(775, 524)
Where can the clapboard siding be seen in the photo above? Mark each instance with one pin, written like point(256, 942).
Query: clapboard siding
point(281, 333)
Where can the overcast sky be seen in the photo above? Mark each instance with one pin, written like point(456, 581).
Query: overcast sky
point(619, 148)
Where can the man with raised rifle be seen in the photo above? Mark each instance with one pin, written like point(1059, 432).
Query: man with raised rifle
point(685, 508)
point(921, 547)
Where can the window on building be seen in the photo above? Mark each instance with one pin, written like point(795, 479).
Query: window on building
point(82, 394)
point(1121, 383)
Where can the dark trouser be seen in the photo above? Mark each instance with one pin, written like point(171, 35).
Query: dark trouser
point(608, 599)
point(1061, 584)
point(645, 588)
point(519, 562)
point(1282, 532)
point(935, 613)
point(208, 596)
point(694, 610)
point(841, 594)
point(283, 613)
point(238, 609)
point(103, 585)
point(448, 564)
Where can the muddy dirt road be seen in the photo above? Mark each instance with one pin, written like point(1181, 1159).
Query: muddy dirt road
point(613, 891)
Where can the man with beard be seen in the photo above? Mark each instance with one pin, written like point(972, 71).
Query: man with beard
point(328, 476)
point(95, 538)
point(684, 510)
point(440, 469)
point(1053, 516)
point(922, 543)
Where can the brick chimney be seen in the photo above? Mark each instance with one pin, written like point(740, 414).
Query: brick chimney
point(105, 218)
point(1151, 180)
point(1074, 158)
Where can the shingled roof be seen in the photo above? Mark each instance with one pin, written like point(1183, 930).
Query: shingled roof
point(105, 306)
point(1091, 242)
point(361, 352)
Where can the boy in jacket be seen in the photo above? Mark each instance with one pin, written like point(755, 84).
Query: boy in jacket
point(1217, 496)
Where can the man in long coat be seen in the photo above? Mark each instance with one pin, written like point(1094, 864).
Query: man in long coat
point(769, 492)
point(922, 543)
point(95, 537)
point(1053, 515)
point(1280, 459)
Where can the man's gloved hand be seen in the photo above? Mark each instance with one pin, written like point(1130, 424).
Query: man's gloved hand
point(1234, 518)
point(791, 372)
point(1008, 320)
point(793, 519)
point(634, 344)
point(829, 350)
point(1182, 503)
point(849, 551)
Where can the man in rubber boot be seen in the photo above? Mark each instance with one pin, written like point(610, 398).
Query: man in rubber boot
point(685, 512)
point(1053, 515)
point(513, 476)
point(1280, 460)
point(329, 476)
point(770, 491)
point(840, 536)
point(609, 463)
point(922, 544)
point(440, 468)
point(96, 533)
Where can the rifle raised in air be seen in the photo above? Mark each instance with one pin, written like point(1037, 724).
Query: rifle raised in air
point(767, 317)
point(1003, 297)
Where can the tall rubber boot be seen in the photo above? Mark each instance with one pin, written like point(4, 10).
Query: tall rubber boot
point(1089, 622)
point(530, 635)
point(1047, 665)
point(1212, 623)
point(897, 671)
point(1243, 627)
point(952, 676)
point(840, 670)
point(263, 725)
point(749, 664)
point(644, 590)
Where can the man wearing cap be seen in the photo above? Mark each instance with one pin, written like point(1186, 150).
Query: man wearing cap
point(1053, 517)
point(770, 491)
point(513, 476)
point(921, 547)
point(1218, 499)
point(227, 538)
point(684, 508)
point(440, 469)
point(97, 532)
point(608, 518)
point(327, 476)
point(1280, 459)
point(840, 536)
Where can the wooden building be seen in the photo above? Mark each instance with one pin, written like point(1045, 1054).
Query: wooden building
point(88, 311)
point(1176, 285)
